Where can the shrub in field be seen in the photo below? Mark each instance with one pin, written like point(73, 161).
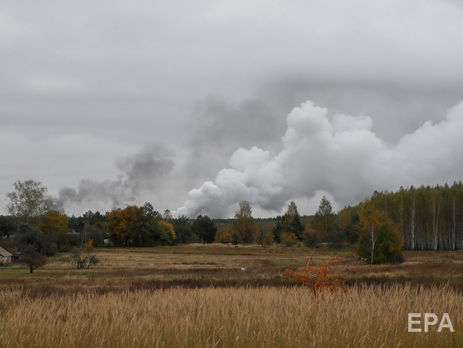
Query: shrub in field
point(318, 278)
point(66, 241)
point(223, 235)
point(83, 262)
point(265, 238)
point(235, 239)
point(310, 236)
point(288, 239)
point(89, 244)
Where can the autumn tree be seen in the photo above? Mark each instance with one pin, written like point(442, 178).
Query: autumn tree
point(28, 200)
point(265, 236)
point(54, 223)
point(123, 225)
point(288, 239)
point(310, 236)
point(244, 225)
point(139, 226)
point(379, 239)
point(223, 235)
point(166, 232)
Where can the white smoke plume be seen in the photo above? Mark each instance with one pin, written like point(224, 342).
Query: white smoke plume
point(340, 155)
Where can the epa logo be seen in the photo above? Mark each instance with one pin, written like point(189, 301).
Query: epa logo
point(430, 319)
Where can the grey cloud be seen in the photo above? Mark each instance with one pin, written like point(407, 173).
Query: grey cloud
point(130, 74)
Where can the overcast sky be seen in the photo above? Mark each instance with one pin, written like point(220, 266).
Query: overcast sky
point(195, 105)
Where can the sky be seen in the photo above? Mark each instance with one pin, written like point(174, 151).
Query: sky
point(197, 105)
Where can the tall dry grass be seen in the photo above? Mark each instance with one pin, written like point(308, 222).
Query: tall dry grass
point(238, 317)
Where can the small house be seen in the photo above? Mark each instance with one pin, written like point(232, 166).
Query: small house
point(5, 256)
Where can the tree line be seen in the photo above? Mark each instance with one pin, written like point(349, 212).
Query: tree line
point(414, 218)
point(35, 229)
point(428, 217)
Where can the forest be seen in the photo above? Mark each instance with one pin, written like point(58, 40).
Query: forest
point(428, 218)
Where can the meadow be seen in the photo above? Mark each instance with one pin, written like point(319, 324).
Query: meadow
point(218, 295)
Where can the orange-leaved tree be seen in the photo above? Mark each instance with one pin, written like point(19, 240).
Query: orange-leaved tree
point(379, 237)
point(318, 278)
point(53, 223)
point(124, 224)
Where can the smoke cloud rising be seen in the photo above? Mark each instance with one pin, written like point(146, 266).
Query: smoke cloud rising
point(340, 155)
point(138, 173)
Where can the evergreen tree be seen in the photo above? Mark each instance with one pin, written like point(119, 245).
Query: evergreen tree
point(204, 228)
point(324, 220)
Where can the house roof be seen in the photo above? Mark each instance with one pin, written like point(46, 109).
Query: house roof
point(4, 253)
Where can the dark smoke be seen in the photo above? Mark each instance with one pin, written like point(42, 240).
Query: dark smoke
point(138, 173)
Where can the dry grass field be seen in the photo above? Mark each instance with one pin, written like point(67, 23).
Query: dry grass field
point(372, 316)
point(197, 296)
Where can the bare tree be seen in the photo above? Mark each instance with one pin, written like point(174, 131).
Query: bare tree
point(245, 210)
point(28, 200)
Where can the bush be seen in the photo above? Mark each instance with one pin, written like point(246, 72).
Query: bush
point(83, 262)
point(235, 239)
point(66, 241)
point(288, 239)
point(318, 278)
point(336, 239)
point(396, 257)
point(97, 235)
point(265, 238)
point(310, 237)
point(223, 235)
